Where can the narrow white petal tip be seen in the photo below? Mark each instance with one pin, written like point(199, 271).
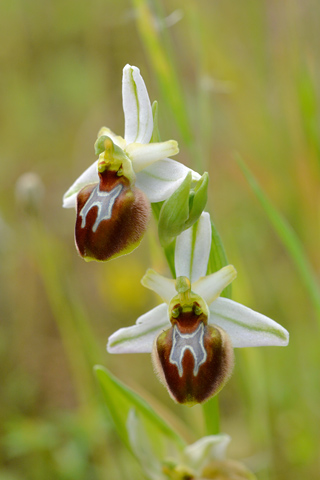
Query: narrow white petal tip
point(230, 272)
point(285, 339)
point(130, 67)
point(144, 155)
point(210, 286)
point(195, 176)
point(70, 201)
point(173, 145)
point(161, 285)
point(111, 346)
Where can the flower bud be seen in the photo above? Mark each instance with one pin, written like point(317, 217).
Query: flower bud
point(194, 360)
point(112, 215)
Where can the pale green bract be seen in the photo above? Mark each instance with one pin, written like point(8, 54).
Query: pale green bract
point(245, 327)
point(190, 459)
point(183, 208)
point(156, 175)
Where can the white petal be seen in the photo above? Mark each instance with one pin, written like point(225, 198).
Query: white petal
point(143, 156)
point(88, 176)
point(161, 179)
point(246, 327)
point(136, 106)
point(117, 139)
point(140, 337)
point(205, 450)
point(163, 286)
point(193, 249)
point(210, 287)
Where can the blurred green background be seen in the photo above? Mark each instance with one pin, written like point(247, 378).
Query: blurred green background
point(229, 77)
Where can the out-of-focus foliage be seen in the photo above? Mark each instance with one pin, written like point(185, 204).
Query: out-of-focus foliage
point(229, 76)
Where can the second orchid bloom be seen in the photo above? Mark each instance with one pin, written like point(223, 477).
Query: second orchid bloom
point(191, 336)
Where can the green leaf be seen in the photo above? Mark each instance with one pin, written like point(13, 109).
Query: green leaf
point(120, 400)
point(174, 212)
point(288, 237)
point(218, 258)
point(155, 138)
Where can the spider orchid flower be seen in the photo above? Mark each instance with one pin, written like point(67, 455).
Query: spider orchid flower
point(192, 335)
point(113, 195)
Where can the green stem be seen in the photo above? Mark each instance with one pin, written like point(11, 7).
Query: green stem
point(211, 416)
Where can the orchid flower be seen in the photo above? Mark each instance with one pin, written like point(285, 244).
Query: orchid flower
point(113, 195)
point(156, 175)
point(191, 335)
point(206, 458)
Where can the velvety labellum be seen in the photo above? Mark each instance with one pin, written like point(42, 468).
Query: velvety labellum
point(188, 341)
point(112, 217)
point(194, 360)
point(104, 201)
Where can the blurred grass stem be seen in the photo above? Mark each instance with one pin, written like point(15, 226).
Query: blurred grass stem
point(288, 237)
point(80, 345)
point(158, 50)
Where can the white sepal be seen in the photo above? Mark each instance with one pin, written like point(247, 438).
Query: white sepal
point(246, 328)
point(140, 337)
point(136, 106)
point(193, 249)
